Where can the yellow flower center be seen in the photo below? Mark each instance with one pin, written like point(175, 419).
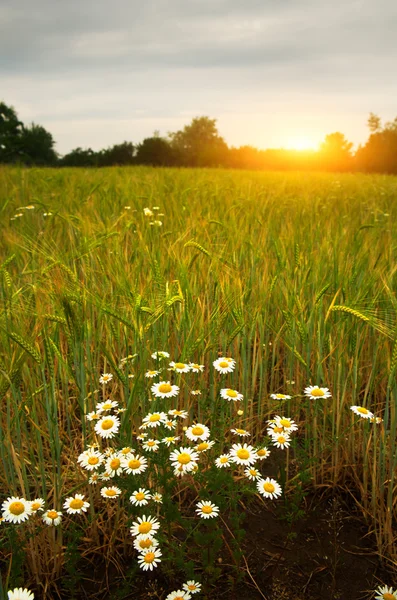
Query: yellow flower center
point(262, 452)
point(145, 527)
point(317, 392)
point(150, 443)
point(145, 544)
point(164, 388)
point(224, 460)
point(196, 367)
point(285, 423)
point(202, 446)
point(151, 372)
point(76, 503)
point(36, 505)
point(184, 458)
point(111, 493)
point(224, 364)
point(191, 587)
point(388, 596)
point(154, 418)
point(280, 396)
point(107, 424)
point(269, 487)
point(281, 439)
point(134, 463)
point(277, 429)
point(362, 410)
point(242, 431)
point(115, 464)
point(126, 450)
point(16, 508)
point(207, 510)
point(52, 514)
point(107, 406)
point(140, 496)
point(197, 430)
point(231, 393)
point(149, 557)
point(253, 472)
point(93, 460)
point(179, 365)
point(243, 453)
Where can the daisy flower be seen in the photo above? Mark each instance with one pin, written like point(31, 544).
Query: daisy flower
point(134, 464)
point(198, 432)
point(154, 419)
point(314, 392)
point(281, 440)
point(90, 459)
point(110, 492)
point(179, 595)
point(141, 436)
point(107, 427)
point(180, 367)
point(140, 497)
point(164, 389)
point(160, 354)
point(93, 480)
point(144, 525)
point(385, 593)
point(106, 405)
point(192, 586)
point(157, 498)
point(224, 364)
point(269, 488)
point(149, 559)
point(16, 510)
point(262, 453)
point(126, 450)
point(75, 504)
point(184, 459)
point(286, 423)
point(170, 440)
point(145, 542)
point(37, 504)
point(147, 212)
point(280, 396)
point(170, 424)
point(241, 432)
point(229, 394)
point(151, 445)
point(243, 454)
point(105, 378)
point(196, 368)
point(20, 594)
point(182, 414)
point(113, 465)
point(195, 393)
point(151, 374)
point(204, 446)
point(362, 412)
point(223, 461)
point(93, 416)
point(106, 476)
point(376, 420)
point(52, 517)
point(207, 510)
point(252, 473)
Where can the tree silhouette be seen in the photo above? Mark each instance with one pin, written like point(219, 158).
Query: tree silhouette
point(199, 144)
point(11, 129)
point(335, 152)
point(155, 151)
point(37, 146)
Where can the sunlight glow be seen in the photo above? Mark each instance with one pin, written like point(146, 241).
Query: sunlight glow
point(301, 143)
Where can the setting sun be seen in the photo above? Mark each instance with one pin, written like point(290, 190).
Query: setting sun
point(301, 143)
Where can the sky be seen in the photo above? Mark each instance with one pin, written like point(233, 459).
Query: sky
point(274, 73)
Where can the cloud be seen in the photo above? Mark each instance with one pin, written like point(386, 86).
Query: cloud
point(127, 61)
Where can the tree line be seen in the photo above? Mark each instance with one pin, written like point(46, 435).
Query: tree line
point(199, 144)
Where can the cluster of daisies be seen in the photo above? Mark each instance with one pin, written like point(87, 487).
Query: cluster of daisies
point(153, 212)
point(17, 510)
point(192, 587)
point(315, 393)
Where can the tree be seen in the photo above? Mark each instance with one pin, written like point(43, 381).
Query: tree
point(119, 154)
point(335, 152)
point(374, 123)
point(199, 144)
point(379, 155)
point(155, 151)
point(37, 146)
point(11, 129)
point(80, 158)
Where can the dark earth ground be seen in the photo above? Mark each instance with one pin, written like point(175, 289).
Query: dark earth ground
point(324, 553)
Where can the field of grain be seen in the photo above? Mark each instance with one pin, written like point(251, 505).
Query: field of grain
point(293, 276)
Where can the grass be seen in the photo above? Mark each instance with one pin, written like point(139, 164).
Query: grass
point(293, 275)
